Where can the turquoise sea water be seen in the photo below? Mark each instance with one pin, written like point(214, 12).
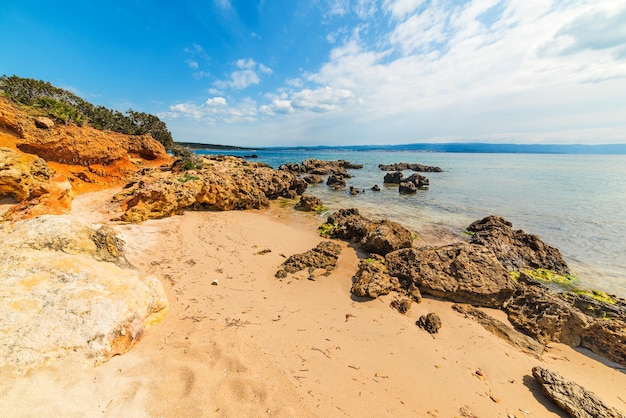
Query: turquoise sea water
point(576, 203)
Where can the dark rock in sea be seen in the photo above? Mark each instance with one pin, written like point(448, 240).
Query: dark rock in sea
point(407, 188)
point(322, 167)
point(251, 156)
point(514, 248)
point(374, 236)
point(323, 256)
point(431, 323)
point(393, 178)
point(462, 272)
point(336, 182)
point(354, 191)
point(515, 338)
point(375, 188)
point(409, 166)
point(294, 168)
point(571, 397)
point(313, 179)
point(308, 204)
point(371, 279)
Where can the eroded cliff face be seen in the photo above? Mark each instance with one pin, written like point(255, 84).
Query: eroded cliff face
point(66, 288)
point(43, 163)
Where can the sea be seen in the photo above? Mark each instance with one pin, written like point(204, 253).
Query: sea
point(574, 202)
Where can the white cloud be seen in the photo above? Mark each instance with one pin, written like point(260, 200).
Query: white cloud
point(321, 100)
point(192, 64)
point(224, 4)
point(418, 71)
point(216, 101)
point(245, 76)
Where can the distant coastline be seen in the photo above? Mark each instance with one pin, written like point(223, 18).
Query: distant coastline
point(452, 147)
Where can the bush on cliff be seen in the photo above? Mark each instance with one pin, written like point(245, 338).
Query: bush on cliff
point(66, 107)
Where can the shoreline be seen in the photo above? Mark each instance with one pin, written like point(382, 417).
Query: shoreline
point(253, 345)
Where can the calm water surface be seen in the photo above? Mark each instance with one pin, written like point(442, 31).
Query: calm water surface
point(576, 203)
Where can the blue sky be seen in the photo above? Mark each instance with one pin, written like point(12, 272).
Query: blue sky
point(335, 72)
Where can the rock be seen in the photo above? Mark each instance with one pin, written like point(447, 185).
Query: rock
point(516, 249)
point(509, 334)
point(69, 291)
point(323, 256)
point(336, 181)
point(308, 204)
point(371, 279)
point(571, 397)
point(543, 315)
point(374, 236)
point(407, 188)
point(375, 188)
point(393, 178)
point(21, 176)
point(430, 322)
point(408, 166)
point(313, 179)
point(418, 180)
point(224, 183)
point(462, 272)
point(402, 304)
point(354, 191)
point(549, 316)
point(44, 123)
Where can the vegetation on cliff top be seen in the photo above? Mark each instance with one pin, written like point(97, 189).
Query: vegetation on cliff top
point(66, 107)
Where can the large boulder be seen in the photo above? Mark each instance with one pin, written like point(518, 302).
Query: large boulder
point(309, 204)
point(514, 248)
point(67, 291)
point(462, 272)
point(22, 176)
point(374, 236)
point(571, 397)
point(554, 317)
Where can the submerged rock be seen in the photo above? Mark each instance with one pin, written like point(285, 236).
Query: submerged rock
point(571, 397)
point(67, 291)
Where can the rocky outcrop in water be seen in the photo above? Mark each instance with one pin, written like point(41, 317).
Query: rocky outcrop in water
point(571, 397)
point(309, 204)
point(408, 166)
point(68, 290)
point(413, 183)
point(374, 236)
point(321, 167)
point(514, 248)
point(221, 183)
point(323, 256)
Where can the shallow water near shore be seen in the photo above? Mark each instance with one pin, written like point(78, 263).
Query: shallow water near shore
point(576, 203)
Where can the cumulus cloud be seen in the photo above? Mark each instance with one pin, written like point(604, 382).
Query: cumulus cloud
point(415, 70)
point(216, 101)
point(247, 74)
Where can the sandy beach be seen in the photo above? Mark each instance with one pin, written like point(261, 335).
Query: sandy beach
point(237, 342)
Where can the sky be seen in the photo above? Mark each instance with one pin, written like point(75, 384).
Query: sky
point(336, 72)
